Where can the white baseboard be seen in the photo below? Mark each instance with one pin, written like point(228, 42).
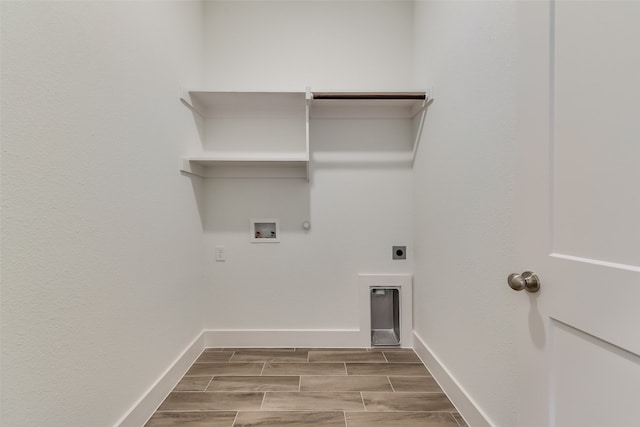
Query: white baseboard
point(283, 338)
point(142, 410)
point(466, 406)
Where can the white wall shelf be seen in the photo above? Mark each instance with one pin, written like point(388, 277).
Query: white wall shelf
point(213, 104)
point(249, 165)
point(266, 134)
point(409, 105)
point(249, 134)
point(367, 105)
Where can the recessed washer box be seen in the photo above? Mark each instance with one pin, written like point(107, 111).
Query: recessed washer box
point(264, 231)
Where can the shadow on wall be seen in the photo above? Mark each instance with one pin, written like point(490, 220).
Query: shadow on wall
point(360, 144)
point(197, 184)
point(229, 203)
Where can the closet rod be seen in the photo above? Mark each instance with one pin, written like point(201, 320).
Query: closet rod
point(368, 95)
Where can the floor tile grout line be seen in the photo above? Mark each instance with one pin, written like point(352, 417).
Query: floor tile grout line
point(199, 411)
point(398, 393)
point(454, 419)
point(264, 396)
point(458, 422)
point(210, 381)
point(345, 418)
point(391, 384)
point(364, 406)
point(262, 371)
point(235, 419)
point(385, 357)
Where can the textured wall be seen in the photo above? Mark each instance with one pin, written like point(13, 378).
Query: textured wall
point(358, 210)
point(101, 236)
point(464, 178)
point(102, 257)
point(328, 45)
point(309, 279)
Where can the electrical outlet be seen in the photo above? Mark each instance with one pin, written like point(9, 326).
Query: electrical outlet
point(220, 254)
point(399, 252)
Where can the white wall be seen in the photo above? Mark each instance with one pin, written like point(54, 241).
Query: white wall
point(102, 258)
point(309, 279)
point(357, 210)
point(288, 45)
point(463, 184)
point(101, 236)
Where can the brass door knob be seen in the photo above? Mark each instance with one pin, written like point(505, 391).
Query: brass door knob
point(527, 280)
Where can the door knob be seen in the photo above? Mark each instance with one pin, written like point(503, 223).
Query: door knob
point(527, 280)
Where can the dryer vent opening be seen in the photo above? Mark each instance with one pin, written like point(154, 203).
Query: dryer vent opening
point(385, 316)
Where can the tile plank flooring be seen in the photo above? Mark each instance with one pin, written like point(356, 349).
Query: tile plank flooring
point(307, 387)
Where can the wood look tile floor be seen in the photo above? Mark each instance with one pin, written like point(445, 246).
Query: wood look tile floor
point(307, 387)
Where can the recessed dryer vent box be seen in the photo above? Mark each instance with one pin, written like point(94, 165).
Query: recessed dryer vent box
point(265, 231)
point(385, 316)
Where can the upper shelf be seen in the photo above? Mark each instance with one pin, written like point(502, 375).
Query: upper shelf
point(400, 105)
point(246, 104)
point(367, 105)
point(370, 95)
point(266, 134)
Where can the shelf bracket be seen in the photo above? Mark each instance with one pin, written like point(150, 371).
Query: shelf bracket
point(185, 98)
point(308, 98)
point(421, 115)
point(191, 169)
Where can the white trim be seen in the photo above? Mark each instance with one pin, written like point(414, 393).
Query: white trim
point(282, 338)
point(144, 408)
point(466, 406)
point(404, 282)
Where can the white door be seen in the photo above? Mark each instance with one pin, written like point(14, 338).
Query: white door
point(579, 201)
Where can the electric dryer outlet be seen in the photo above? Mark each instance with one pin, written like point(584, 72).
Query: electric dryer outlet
point(399, 252)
